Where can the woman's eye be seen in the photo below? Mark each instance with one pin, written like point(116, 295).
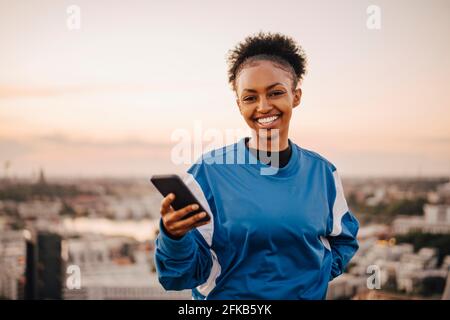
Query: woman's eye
point(276, 93)
point(249, 99)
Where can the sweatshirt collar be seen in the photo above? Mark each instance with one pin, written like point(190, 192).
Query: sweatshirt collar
point(267, 170)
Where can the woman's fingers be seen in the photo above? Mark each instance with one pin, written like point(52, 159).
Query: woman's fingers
point(173, 220)
point(179, 214)
point(189, 223)
point(199, 224)
point(165, 204)
point(182, 227)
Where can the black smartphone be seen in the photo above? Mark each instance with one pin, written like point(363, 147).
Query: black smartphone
point(172, 183)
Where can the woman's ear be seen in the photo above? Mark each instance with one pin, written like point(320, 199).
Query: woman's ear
point(297, 97)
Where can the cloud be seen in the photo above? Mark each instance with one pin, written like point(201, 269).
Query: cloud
point(62, 155)
point(10, 149)
point(13, 92)
point(438, 140)
point(7, 92)
point(62, 139)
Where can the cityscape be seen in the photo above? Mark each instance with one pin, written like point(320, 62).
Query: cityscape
point(94, 239)
point(96, 97)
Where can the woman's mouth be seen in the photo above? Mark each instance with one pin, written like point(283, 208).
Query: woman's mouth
point(268, 122)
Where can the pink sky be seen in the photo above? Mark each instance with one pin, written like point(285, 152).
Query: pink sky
point(105, 99)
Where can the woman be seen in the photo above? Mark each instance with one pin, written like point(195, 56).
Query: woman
point(279, 234)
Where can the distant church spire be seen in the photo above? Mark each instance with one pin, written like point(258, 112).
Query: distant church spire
point(42, 177)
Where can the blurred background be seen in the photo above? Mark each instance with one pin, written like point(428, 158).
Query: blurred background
point(91, 93)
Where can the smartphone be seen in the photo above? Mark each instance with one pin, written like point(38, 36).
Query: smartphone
point(172, 183)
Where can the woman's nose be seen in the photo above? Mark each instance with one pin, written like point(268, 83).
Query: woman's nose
point(263, 105)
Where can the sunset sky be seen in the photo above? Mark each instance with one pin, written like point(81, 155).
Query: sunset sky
point(105, 99)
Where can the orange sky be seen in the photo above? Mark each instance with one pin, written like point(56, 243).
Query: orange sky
point(105, 99)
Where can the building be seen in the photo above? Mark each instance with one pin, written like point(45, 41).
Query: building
point(446, 294)
point(114, 268)
point(345, 286)
point(44, 266)
point(12, 264)
point(400, 270)
point(37, 209)
point(436, 219)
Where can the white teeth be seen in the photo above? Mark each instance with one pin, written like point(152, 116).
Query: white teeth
point(267, 120)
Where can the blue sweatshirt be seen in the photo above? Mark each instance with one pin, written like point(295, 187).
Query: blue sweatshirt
point(273, 235)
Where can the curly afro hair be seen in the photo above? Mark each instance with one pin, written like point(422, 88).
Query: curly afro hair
point(278, 48)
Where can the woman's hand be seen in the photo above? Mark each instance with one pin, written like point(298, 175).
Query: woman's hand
point(173, 220)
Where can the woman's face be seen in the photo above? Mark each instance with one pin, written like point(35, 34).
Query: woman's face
point(266, 99)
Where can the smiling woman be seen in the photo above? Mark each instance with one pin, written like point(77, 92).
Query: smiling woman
point(282, 235)
point(264, 73)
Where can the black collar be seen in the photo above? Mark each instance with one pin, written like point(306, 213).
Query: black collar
point(283, 155)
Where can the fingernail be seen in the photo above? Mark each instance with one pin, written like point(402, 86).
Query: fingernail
point(195, 207)
point(202, 214)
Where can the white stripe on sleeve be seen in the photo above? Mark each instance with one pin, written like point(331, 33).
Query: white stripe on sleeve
point(206, 231)
point(340, 207)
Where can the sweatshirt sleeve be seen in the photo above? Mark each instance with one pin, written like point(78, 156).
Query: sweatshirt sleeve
point(186, 262)
point(344, 228)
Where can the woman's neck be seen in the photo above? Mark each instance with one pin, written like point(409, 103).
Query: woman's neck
point(272, 145)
